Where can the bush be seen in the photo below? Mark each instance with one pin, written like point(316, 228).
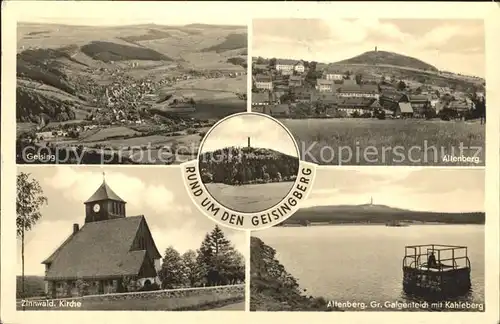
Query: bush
point(83, 287)
point(207, 177)
point(151, 287)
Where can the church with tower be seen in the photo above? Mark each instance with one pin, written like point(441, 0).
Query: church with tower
point(110, 253)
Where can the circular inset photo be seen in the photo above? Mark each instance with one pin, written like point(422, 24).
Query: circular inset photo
point(248, 162)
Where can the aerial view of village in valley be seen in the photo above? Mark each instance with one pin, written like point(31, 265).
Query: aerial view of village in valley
point(130, 94)
point(361, 92)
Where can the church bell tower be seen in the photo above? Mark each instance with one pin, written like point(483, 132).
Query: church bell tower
point(104, 204)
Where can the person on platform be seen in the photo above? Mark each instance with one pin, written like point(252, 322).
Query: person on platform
point(431, 261)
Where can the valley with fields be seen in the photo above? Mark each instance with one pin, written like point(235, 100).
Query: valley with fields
point(138, 94)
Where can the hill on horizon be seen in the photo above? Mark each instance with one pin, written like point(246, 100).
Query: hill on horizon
point(389, 58)
point(380, 214)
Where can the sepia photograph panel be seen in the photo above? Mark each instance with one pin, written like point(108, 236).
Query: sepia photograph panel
point(129, 93)
point(375, 91)
point(381, 239)
point(249, 162)
point(121, 238)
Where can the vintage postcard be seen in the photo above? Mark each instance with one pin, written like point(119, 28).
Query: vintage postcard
point(242, 162)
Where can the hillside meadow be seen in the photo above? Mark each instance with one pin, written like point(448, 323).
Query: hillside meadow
point(249, 198)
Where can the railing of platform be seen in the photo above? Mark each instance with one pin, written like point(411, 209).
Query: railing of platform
point(413, 255)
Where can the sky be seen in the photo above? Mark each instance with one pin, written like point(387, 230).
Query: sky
point(420, 189)
point(156, 192)
point(453, 45)
point(264, 132)
point(99, 13)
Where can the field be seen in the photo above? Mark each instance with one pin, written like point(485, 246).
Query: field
point(216, 87)
point(387, 142)
point(34, 286)
point(249, 198)
point(149, 149)
point(110, 132)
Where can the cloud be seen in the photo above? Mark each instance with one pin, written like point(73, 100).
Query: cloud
point(440, 42)
point(158, 193)
point(424, 189)
point(440, 35)
point(75, 183)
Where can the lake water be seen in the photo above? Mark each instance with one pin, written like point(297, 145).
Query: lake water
point(363, 263)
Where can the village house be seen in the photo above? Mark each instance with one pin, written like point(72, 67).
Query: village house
point(349, 82)
point(439, 106)
point(390, 99)
point(299, 67)
point(333, 75)
point(325, 103)
point(260, 100)
point(324, 85)
point(324, 97)
point(303, 95)
point(110, 253)
point(264, 82)
point(375, 106)
point(370, 79)
point(295, 81)
point(459, 106)
point(277, 95)
point(404, 110)
point(45, 135)
point(355, 105)
point(420, 104)
point(280, 110)
point(260, 67)
point(285, 66)
point(280, 87)
point(433, 103)
point(361, 91)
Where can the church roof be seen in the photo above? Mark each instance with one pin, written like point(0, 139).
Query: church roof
point(101, 250)
point(104, 192)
